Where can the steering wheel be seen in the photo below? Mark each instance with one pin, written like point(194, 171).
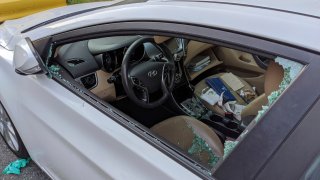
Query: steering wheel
point(141, 80)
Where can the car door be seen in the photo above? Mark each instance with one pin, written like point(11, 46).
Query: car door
point(91, 125)
point(298, 157)
point(70, 138)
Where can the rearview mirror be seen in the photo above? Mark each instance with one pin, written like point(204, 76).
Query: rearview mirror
point(26, 59)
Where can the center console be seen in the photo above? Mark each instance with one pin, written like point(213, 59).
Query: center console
point(229, 127)
point(184, 101)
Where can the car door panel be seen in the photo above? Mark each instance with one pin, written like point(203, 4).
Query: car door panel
point(61, 131)
point(238, 62)
point(297, 152)
point(77, 136)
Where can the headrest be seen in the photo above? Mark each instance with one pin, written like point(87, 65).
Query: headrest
point(273, 77)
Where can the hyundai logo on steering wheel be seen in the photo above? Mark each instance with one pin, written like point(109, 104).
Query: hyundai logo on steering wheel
point(152, 73)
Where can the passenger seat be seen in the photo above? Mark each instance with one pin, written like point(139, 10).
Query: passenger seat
point(273, 78)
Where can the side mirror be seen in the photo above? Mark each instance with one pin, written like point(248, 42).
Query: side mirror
point(26, 60)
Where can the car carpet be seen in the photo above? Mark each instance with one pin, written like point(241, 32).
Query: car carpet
point(147, 117)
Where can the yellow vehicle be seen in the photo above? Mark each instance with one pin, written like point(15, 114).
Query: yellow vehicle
point(12, 9)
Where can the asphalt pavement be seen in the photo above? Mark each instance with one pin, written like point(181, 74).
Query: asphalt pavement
point(31, 172)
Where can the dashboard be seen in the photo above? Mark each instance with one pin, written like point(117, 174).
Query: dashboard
point(96, 63)
point(84, 58)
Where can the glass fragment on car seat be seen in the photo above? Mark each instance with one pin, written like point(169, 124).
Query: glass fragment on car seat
point(200, 146)
point(14, 167)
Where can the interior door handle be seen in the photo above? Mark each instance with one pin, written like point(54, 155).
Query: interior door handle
point(244, 59)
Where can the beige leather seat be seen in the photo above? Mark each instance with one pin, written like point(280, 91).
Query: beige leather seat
point(181, 132)
point(273, 78)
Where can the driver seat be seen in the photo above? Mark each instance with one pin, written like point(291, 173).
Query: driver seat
point(182, 131)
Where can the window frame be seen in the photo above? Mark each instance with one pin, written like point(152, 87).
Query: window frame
point(236, 40)
point(298, 157)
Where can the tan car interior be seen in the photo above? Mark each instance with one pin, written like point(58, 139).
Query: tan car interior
point(178, 132)
point(180, 127)
point(177, 129)
point(104, 90)
point(221, 55)
point(107, 91)
point(236, 62)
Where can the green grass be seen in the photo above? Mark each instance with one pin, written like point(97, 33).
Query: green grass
point(70, 2)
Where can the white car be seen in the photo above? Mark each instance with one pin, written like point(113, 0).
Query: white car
point(165, 90)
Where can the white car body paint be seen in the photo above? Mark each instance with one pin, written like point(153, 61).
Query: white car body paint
point(14, 27)
point(264, 23)
point(70, 139)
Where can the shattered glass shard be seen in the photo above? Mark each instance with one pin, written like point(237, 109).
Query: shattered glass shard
point(228, 147)
point(291, 71)
point(54, 68)
point(200, 146)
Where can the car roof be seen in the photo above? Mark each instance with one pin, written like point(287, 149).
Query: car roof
point(290, 28)
point(305, 7)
